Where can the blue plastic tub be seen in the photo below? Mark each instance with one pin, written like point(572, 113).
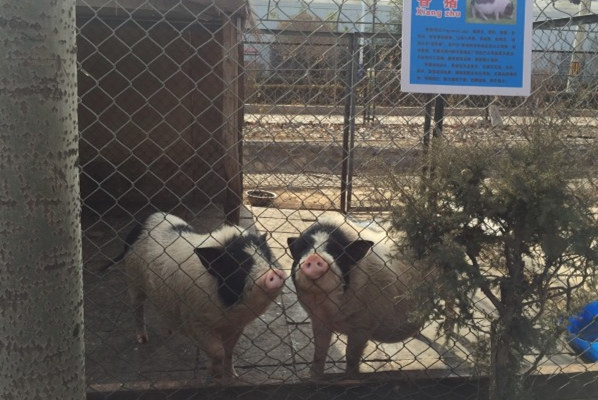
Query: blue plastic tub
point(583, 332)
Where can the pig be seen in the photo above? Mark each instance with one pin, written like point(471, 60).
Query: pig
point(206, 286)
point(492, 8)
point(349, 280)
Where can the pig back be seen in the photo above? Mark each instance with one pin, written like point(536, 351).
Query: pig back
point(183, 291)
point(173, 278)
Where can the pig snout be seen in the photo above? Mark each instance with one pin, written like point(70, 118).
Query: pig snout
point(314, 267)
point(274, 279)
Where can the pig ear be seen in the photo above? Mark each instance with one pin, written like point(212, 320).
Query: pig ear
point(209, 256)
point(358, 249)
point(231, 277)
point(295, 246)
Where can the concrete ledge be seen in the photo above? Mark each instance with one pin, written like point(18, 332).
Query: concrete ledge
point(407, 385)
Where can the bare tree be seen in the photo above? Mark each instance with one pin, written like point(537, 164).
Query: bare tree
point(307, 53)
point(41, 297)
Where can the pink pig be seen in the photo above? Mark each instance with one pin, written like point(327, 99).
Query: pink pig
point(349, 281)
point(206, 286)
point(492, 8)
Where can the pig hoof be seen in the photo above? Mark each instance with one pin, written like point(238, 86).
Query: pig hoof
point(351, 374)
point(228, 379)
point(141, 338)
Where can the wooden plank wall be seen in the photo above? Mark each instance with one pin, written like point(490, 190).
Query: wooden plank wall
point(231, 134)
point(151, 115)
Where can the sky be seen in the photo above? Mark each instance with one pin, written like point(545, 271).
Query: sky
point(546, 9)
point(356, 15)
point(353, 9)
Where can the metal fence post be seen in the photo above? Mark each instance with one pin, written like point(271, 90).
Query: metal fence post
point(349, 126)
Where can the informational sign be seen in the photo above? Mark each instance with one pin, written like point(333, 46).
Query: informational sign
point(467, 47)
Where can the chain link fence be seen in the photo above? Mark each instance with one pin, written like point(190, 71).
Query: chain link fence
point(186, 107)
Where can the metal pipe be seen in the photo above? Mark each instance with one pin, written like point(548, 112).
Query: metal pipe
point(349, 127)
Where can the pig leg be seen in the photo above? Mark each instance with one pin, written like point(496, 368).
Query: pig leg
point(138, 297)
point(322, 338)
point(479, 14)
point(216, 365)
point(355, 345)
point(212, 345)
point(229, 341)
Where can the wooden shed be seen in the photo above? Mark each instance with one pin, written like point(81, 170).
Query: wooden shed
point(161, 103)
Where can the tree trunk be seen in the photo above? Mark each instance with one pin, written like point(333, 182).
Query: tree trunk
point(41, 295)
point(504, 364)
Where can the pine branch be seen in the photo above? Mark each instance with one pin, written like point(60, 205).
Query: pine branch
point(485, 288)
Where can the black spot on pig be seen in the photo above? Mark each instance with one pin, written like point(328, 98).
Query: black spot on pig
point(259, 241)
point(232, 264)
point(133, 235)
point(298, 246)
point(508, 11)
point(131, 238)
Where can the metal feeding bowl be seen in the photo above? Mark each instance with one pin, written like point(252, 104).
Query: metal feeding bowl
point(260, 198)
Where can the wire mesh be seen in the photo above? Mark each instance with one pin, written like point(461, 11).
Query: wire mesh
point(185, 107)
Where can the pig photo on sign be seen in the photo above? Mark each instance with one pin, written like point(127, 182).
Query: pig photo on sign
point(492, 10)
point(206, 286)
point(349, 281)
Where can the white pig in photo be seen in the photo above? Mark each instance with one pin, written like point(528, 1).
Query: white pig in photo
point(495, 9)
point(205, 286)
point(349, 281)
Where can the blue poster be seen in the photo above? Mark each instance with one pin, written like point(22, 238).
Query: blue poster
point(467, 47)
